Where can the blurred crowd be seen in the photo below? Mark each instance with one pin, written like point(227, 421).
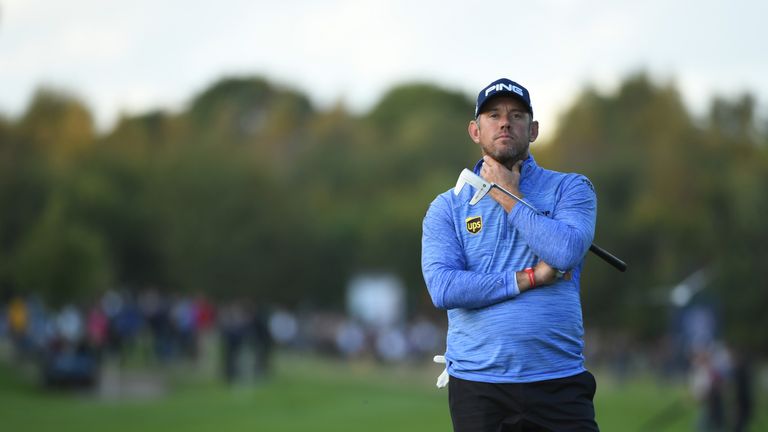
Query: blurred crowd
point(720, 377)
point(70, 343)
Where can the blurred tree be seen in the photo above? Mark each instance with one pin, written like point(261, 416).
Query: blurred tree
point(109, 194)
point(250, 112)
point(144, 137)
point(421, 128)
point(57, 126)
point(621, 143)
point(25, 184)
point(250, 191)
point(61, 259)
point(738, 173)
point(666, 187)
point(421, 144)
point(218, 224)
point(326, 197)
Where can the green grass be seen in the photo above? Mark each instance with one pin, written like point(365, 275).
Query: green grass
point(307, 394)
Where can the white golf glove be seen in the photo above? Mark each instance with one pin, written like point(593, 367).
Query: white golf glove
point(442, 380)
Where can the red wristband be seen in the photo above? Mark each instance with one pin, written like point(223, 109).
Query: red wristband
point(531, 279)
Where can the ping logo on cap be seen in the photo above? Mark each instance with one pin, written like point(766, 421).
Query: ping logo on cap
point(502, 86)
point(474, 224)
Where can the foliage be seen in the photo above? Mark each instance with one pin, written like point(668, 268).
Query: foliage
point(252, 191)
point(675, 195)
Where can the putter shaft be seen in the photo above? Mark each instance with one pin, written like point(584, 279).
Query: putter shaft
point(595, 249)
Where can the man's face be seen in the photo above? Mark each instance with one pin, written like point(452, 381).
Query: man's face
point(504, 129)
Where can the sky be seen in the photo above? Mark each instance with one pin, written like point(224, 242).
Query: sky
point(128, 57)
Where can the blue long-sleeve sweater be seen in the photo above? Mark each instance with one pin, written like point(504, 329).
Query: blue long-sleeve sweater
point(469, 258)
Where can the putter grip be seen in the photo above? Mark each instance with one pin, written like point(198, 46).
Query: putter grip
point(608, 257)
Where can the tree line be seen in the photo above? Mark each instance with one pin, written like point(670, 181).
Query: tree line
point(251, 190)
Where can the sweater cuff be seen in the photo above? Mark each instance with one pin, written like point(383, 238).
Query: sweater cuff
point(512, 289)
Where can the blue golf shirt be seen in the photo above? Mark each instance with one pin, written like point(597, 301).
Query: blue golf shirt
point(469, 258)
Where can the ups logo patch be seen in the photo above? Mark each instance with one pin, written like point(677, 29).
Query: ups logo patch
point(474, 224)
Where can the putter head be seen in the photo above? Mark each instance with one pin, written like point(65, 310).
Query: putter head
point(481, 186)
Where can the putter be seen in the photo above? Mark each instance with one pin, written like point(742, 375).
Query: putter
point(482, 188)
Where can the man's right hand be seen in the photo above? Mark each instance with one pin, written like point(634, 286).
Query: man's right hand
point(507, 178)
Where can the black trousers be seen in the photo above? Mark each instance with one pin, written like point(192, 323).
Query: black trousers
point(563, 404)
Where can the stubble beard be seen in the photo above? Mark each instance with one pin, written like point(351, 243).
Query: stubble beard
point(507, 155)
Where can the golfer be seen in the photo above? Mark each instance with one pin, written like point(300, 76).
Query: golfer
point(509, 280)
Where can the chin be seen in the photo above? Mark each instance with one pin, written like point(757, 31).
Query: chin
point(504, 158)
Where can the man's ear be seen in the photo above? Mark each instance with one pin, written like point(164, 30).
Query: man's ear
point(474, 131)
point(534, 130)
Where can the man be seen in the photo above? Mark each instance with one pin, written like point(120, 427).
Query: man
point(509, 280)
